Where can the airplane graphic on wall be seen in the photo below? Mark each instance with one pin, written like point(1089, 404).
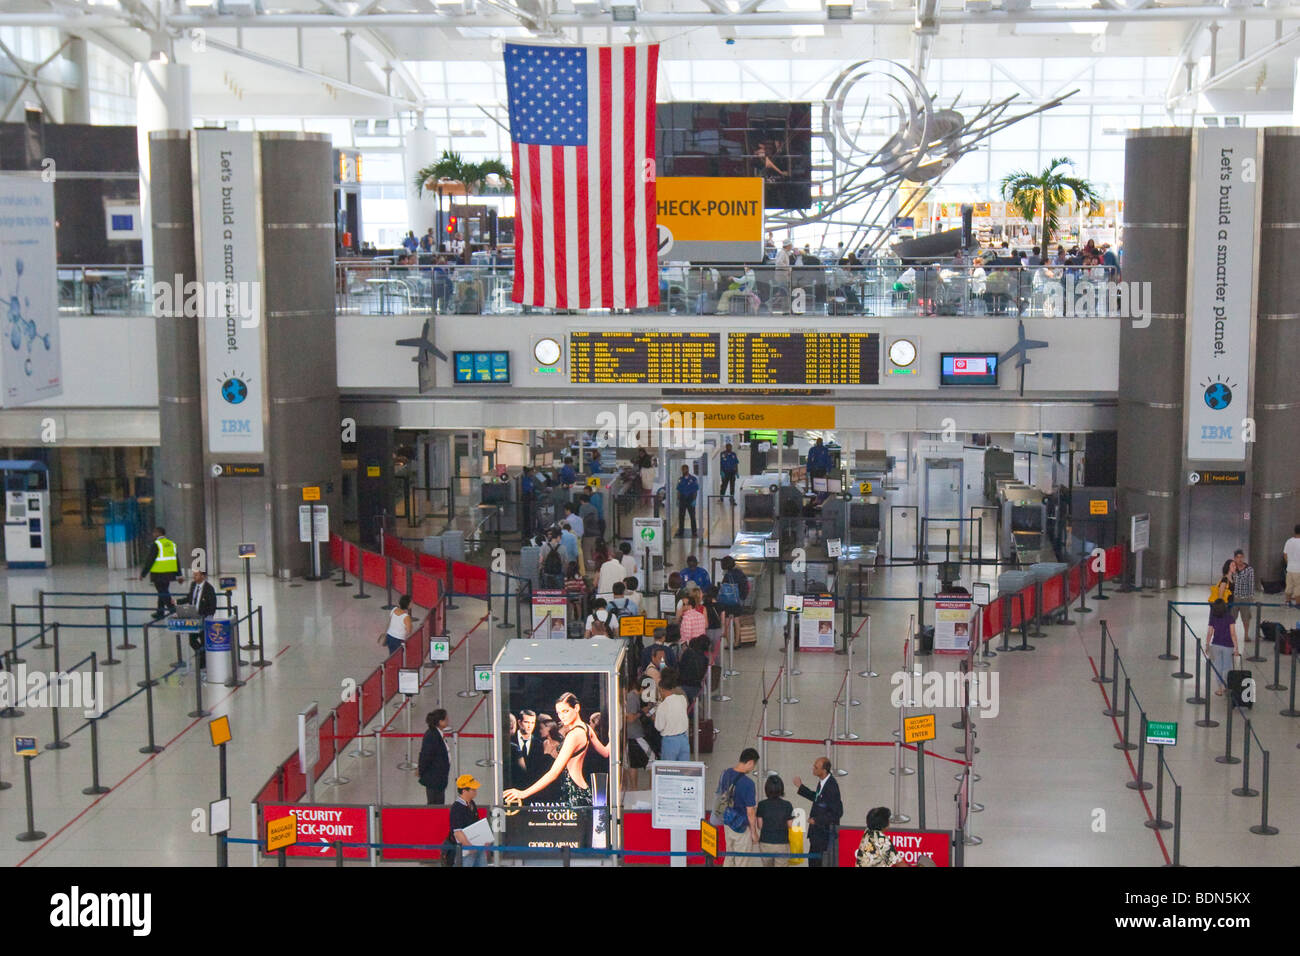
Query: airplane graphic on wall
point(1021, 352)
point(425, 349)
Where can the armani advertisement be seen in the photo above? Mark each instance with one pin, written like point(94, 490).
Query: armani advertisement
point(556, 758)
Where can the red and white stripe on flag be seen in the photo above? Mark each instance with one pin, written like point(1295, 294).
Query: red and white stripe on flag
point(585, 229)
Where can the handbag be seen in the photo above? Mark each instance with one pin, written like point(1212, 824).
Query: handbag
point(796, 846)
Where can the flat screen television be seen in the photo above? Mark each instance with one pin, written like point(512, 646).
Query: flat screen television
point(968, 368)
point(771, 140)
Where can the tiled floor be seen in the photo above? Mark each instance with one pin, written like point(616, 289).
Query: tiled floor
point(1051, 781)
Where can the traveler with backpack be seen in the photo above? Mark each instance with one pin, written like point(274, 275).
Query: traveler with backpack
point(1221, 642)
point(1242, 576)
point(733, 592)
point(601, 622)
point(660, 640)
point(734, 804)
point(694, 664)
point(551, 561)
point(621, 603)
point(692, 619)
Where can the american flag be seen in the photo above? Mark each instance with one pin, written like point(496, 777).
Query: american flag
point(582, 131)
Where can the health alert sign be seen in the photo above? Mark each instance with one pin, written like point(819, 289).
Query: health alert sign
point(710, 219)
point(322, 824)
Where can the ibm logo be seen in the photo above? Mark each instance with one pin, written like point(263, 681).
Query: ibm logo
point(1216, 433)
point(236, 426)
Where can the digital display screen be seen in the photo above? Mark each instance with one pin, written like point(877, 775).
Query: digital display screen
point(482, 368)
point(769, 140)
point(968, 368)
point(556, 765)
point(645, 358)
point(803, 358)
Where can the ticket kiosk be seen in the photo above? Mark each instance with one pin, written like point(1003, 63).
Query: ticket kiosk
point(27, 514)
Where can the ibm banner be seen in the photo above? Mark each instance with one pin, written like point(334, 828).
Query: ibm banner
point(1221, 290)
point(32, 366)
point(226, 222)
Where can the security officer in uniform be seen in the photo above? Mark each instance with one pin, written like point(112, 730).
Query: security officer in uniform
point(729, 465)
point(819, 460)
point(162, 568)
point(688, 486)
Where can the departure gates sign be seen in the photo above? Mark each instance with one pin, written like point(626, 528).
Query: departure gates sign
point(710, 219)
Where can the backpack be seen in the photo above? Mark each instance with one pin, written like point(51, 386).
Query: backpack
point(724, 803)
point(729, 593)
point(691, 669)
point(552, 563)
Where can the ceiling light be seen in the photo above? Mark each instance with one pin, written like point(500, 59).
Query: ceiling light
point(623, 11)
point(588, 8)
point(879, 6)
point(454, 8)
point(979, 6)
point(839, 9)
point(237, 8)
point(1015, 6)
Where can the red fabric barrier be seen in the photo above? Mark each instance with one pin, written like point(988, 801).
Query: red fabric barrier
point(435, 566)
point(416, 648)
point(639, 835)
point(346, 722)
point(400, 584)
point(354, 560)
point(1031, 601)
point(469, 579)
point(295, 781)
point(336, 550)
point(327, 745)
point(424, 590)
point(371, 698)
point(391, 667)
point(1052, 596)
point(1092, 575)
point(271, 792)
point(992, 620)
point(1114, 561)
point(440, 618)
point(415, 825)
point(376, 568)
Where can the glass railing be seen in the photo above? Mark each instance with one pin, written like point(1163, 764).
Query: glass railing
point(381, 288)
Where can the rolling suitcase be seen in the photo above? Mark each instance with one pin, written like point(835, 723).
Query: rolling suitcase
point(746, 631)
point(1271, 630)
point(707, 733)
point(1287, 640)
point(1236, 683)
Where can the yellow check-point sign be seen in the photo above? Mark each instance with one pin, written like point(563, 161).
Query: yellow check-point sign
point(281, 833)
point(593, 482)
point(864, 487)
point(709, 838)
point(918, 728)
point(219, 729)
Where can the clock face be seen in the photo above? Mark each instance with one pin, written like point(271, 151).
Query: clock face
point(902, 352)
point(546, 351)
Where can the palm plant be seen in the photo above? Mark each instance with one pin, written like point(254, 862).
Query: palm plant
point(448, 168)
point(1048, 191)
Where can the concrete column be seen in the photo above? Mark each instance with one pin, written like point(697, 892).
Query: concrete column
point(76, 102)
point(1157, 170)
point(162, 102)
point(180, 487)
point(1275, 456)
point(421, 149)
point(303, 424)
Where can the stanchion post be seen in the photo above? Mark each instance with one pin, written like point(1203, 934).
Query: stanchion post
point(199, 710)
point(58, 743)
point(43, 645)
point(31, 834)
point(1196, 699)
point(126, 644)
point(1168, 655)
point(1277, 673)
point(1114, 686)
point(235, 680)
point(1262, 828)
point(14, 659)
point(1245, 790)
point(110, 660)
point(1289, 712)
point(361, 750)
point(342, 582)
point(388, 585)
point(1140, 783)
point(261, 646)
point(920, 784)
point(1178, 825)
point(1226, 756)
point(95, 787)
point(1126, 744)
point(1159, 823)
point(1182, 673)
point(1101, 656)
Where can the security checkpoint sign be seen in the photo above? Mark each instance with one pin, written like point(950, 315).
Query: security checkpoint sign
point(648, 535)
point(483, 678)
point(317, 824)
point(439, 650)
point(710, 219)
point(1163, 733)
point(918, 728)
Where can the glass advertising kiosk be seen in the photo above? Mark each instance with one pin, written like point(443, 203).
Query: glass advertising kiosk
point(557, 774)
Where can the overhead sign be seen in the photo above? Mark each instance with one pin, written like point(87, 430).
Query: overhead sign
point(1216, 478)
point(238, 470)
point(32, 366)
point(1162, 732)
point(677, 791)
point(864, 487)
point(319, 515)
point(648, 535)
point(311, 493)
point(918, 728)
point(1100, 507)
point(227, 234)
point(748, 417)
point(710, 218)
point(1222, 261)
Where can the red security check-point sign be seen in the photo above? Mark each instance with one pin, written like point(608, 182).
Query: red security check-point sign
point(912, 844)
point(325, 824)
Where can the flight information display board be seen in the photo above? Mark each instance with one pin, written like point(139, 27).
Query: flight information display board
point(803, 358)
point(645, 358)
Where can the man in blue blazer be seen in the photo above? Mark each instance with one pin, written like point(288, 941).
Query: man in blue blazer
point(824, 817)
